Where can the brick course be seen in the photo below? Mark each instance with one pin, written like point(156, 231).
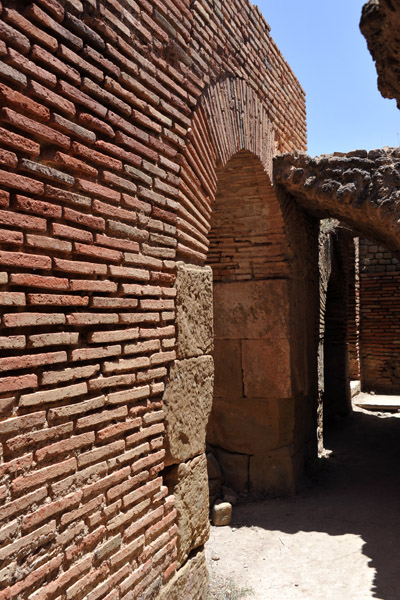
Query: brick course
point(108, 128)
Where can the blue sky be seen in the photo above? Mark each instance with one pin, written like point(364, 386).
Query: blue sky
point(322, 42)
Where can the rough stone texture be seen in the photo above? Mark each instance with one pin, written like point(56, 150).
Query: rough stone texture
point(266, 368)
point(360, 188)
point(194, 310)
point(222, 513)
point(380, 23)
point(188, 482)
point(187, 404)
point(190, 581)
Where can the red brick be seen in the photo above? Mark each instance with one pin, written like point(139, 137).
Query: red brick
point(53, 339)
point(84, 319)
point(38, 477)
point(93, 286)
point(66, 196)
point(70, 163)
point(94, 123)
point(36, 129)
point(33, 12)
point(71, 128)
point(12, 219)
point(119, 152)
point(81, 98)
point(95, 353)
point(15, 18)
point(31, 360)
point(50, 509)
point(71, 232)
point(25, 104)
point(89, 221)
point(82, 66)
point(97, 252)
point(11, 237)
point(26, 279)
point(136, 146)
point(58, 300)
point(112, 242)
point(98, 190)
point(96, 157)
point(77, 409)
point(37, 207)
point(14, 38)
point(19, 143)
point(33, 319)
point(17, 424)
point(55, 64)
point(55, 395)
point(12, 342)
point(54, 377)
point(54, 8)
point(4, 198)
point(65, 446)
point(52, 99)
point(19, 259)
point(75, 266)
point(30, 68)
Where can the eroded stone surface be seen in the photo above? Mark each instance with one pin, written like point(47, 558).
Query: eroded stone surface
point(190, 582)
point(380, 24)
point(187, 403)
point(222, 513)
point(189, 484)
point(360, 188)
point(194, 310)
point(266, 368)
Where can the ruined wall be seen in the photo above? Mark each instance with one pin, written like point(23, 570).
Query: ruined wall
point(115, 115)
point(379, 318)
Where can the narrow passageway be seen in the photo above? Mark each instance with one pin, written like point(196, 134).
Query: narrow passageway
point(338, 539)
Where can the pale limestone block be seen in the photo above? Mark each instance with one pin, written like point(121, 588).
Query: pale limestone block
point(187, 403)
point(189, 484)
point(194, 310)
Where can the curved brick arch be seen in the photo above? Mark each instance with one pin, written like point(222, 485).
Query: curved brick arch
point(230, 119)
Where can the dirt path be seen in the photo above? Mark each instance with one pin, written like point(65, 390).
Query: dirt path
point(338, 539)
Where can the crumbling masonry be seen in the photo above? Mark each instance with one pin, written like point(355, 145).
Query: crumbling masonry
point(138, 203)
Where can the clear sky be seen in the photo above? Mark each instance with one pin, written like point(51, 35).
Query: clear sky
point(322, 43)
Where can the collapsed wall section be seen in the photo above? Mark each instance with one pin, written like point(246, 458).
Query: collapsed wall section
point(99, 190)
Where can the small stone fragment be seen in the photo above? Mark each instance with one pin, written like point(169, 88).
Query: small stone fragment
point(222, 513)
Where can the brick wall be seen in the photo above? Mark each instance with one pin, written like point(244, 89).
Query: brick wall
point(108, 162)
point(379, 318)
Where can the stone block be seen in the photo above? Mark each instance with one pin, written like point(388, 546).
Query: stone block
point(194, 310)
point(187, 405)
point(277, 472)
point(190, 582)
point(189, 484)
point(222, 513)
point(228, 369)
point(266, 368)
point(235, 469)
point(251, 425)
point(252, 309)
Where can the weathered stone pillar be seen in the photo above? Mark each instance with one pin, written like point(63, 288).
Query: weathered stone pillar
point(187, 405)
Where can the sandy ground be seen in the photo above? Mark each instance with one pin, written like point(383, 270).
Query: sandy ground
point(338, 539)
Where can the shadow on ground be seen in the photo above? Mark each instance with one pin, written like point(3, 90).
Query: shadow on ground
point(357, 493)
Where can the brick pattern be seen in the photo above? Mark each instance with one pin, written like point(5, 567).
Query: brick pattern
point(106, 174)
point(247, 236)
point(379, 316)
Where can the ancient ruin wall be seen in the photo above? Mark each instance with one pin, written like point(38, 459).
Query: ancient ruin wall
point(109, 141)
point(379, 318)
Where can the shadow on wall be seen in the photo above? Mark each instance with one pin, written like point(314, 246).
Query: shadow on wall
point(358, 493)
